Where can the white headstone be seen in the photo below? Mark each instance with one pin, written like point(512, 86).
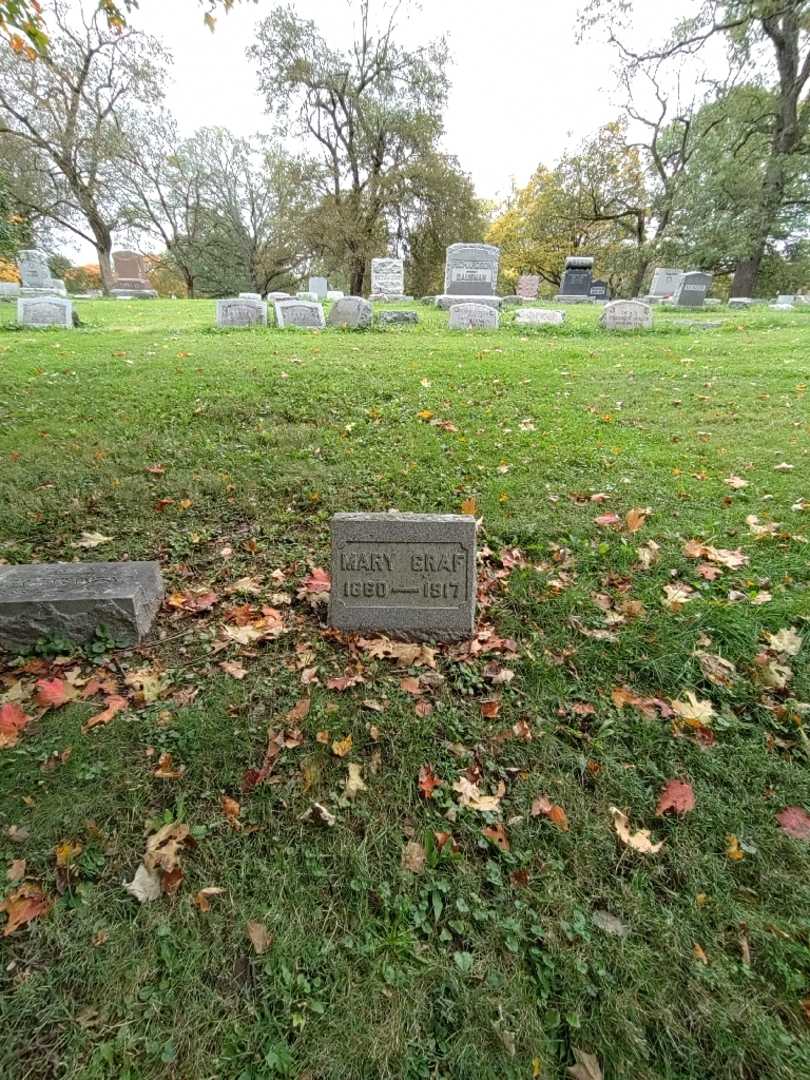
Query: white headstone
point(740, 302)
point(665, 281)
point(244, 311)
point(473, 317)
point(335, 294)
point(319, 286)
point(539, 317)
point(387, 277)
point(626, 315)
point(304, 313)
point(45, 311)
point(36, 275)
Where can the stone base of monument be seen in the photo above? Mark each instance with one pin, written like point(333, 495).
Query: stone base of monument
point(567, 298)
point(133, 294)
point(9, 290)
point(29, 291)
point(447, 300)
point(77, 601)
point(740, 302)
point(389, 298)
point(409, 576)
point(513, 301)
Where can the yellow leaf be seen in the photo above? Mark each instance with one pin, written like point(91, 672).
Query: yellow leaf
point(469, 506)
point(354, 781)
point(638, 841)
point(341, 747)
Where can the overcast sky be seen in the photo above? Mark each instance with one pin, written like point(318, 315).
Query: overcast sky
point(522, 88)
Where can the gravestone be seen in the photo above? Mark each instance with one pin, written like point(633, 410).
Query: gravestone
point(244, 311)
point(785, 298)
point(45, 311)
point(528, 286)
point(446, 302)
point(599, 290)
point(278, 296)
point(387, 279)
point(9, 290)
point(626, 315)
point(511, 301)
point(471, 316)
point(692, 289)
point(781, 307)
point(319, 286)
point(471, 270)
point(36, 275)
point(303, 313)
point(408, 576)
point(75, 601)
point(309, 297)
point(250, 296)
point(576, 282)
point(394, 318)
point(539, 317)
point(335, 294)
point(665, 282)
point(130, 279)
point(742, 302)
point(352, 312)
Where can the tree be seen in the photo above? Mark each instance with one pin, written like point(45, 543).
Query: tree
point(370, 112)
point(62, 112)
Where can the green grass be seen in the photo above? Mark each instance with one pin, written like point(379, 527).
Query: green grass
point(457, 972)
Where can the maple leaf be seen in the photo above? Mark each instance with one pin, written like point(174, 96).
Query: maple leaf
point(23, 905)
point(315, 587)
point(555, 813)
point(786, 642)
point(423, 708)
point(260, 937)
point(588, 632)
point(587, 1066)
point(638, 841)
point(413, 857)
point(354, 781)
point(735, 482)
point(635, 518)
point(233, 668)
point(470, 796)
point(164, 847)
point(490, 708)
point(166, 769)
point(12, 722)
point(795, 821)
point(411, 686)
point(345, 681)
point(675, 596)
point(717, 670)
point(150, 683)
point(760, 529)
point(428, 781)
point(783, 467)
point(678, 796)
point(608, 520)
point(693, 712)
point(733, 849)
point(770, 672)
point(648, 554)
point(114, 705)
point(469, 506)
point(498, 836)
point(231, 809)
point(52, 693)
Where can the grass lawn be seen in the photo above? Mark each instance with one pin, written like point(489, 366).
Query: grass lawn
point(384, 950)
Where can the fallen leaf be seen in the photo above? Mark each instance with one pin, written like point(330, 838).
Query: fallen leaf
point(783, 467)
point(428, 781)
point(636, 517)
point(12, 722)
point(166, 768)
point(675, 596)
point(490, 708)
point(733, 849)
point(607, 520)
point(52, 693)
point(795, 821)
point(423, 708)
point(648, 554)
point(341, 747)
point(23, 905)
point(92, 540)
point(586, 1068)
point(233, 668)
point(203, 897)
point(231, 809)
point(717, 670)
point(638, 841)
point(164, 847)
point(114, 706)
point(699, 954)
point(145, 885)
point(299, 711)
point(555, 813)
point(678, 796)
point(319, 814)
point(497, 834)
point(609, 923)
point(786, 642)
point(469, 506)
point(692, 711)
point(354, 781)
point(470, 795)
point(735, 482)
point(16, 870)
point(413, 857)
point(260, 938)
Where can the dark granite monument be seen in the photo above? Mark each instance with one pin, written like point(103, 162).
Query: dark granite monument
point(576, 282)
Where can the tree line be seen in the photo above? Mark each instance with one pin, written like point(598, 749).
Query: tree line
point(709, 173)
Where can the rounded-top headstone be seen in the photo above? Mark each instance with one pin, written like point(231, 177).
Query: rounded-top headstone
point(473, 317)
point(352, 313)
point(626, 315)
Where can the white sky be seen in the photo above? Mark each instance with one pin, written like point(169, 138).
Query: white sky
point(522, 88)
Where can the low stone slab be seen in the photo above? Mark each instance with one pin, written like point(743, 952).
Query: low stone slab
point(75, 601)
point(278, 296)
point(511, 301)
point(244, 311)
point(303, 313)
point(409, 576)
point(39, 311)
point(740, 302)
point(351, 313)
point(397, 318)
point(250, 296)
point(310, 296)
point(781, 307)
point(9, 290)
point(571, 298)
point(473, 317)
point(335, 294)
point(626, 315)
point(701, 324)
point(539, 317)
point(447, 300)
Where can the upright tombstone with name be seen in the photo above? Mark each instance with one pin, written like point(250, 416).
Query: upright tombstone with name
point(36, 275)
point(470, 273)
point(130, 278)
point(599, 291)
point(244, 311)
point(41, 311)
point(471, 316)
point(576, 282)
point(77, 601)
point(387, 279)
point(664, 285)
point(351, 313)
point(306, 314)
point(692, 289)
point(408, 576)
point(528, 286)
point(626, 315)
point(319, 286)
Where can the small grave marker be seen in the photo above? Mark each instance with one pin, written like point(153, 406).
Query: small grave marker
point(352, 312)
point(626, 315)
point(40, 311)
point(304, 313)
point(473, 317)
point(244, 311)
point(539, 317)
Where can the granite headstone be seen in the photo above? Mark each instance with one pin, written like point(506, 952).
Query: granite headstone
point(576, 282)
point(36, 274)
point(352, 313)
point(39, 311)
point(387, 279)
point(528, 286)
point(319, 286)
point(599, 290)
point(472, 316)
point(692, 289)
point(626, 315)
point(244, 311)
point(303, 313)
point(471, 270)
point(130, 277)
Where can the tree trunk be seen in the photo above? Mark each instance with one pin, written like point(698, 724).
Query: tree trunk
point(188, 277)
point(745, 276)
point(638, 278)
point(357, 276)
point(103, 239)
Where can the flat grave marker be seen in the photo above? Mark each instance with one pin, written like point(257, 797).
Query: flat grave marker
point(473, 317)
point(626, 315)
point(539, 317)
point(304, 313)
point(244, 311)
point(40, 311)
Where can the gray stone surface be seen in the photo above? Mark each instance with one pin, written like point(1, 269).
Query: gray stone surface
point(75, 600)
point(471, 270)
point(702, 324)
point(473, 317)
point(36, 274)
point(44, 311)
point(599, 290)
point(304, 313)
point(785, 298)
point(393, 318)
point(740, 302)
point(539, 317)
point(665, 281)
point(9, 290)
point(528, 286)
point(445, 302)
point(626, 315)
point(319, 286)
point(409, 576)
point(250, 296)
point(692, 289)
point(577, 276)
point(781, 307)
point(427, 299)
point(278, 296)
point(310, 297)
point(387, 277)
point(244, 311)
point(569, 298)
point(511, 301)
point(352, 312)
point(335, 294)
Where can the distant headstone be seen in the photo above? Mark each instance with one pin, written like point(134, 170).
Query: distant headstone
point(785, 298)
point(352, 312)
point(665, 282)
point(471, 270)
point(599, 290)
point(781, 307)
point(36, 274)
point(9, 290)
point(250, 296)
point(394, 318)
point(740, 302)
point(273, 296)
point(130, 278)
point(692, 289)
point(310, 297)
point(407, 576)
point(576, 282)
point(387, 279)
point(528, 286)
point(245, 311)
point(319, 286)
point(539, 317)
point(45, 311)
point(471, 316)
point(77, 601)
point(304, 313)
point(626, 315)
point(335, 294)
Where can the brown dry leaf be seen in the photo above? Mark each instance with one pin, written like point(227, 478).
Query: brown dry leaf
point(717, 670)
point(638, 841)
point(490, 708)
point(692, 711)
point(203, 897)
point(260, 938)
point(675, 596)
point(555, 813)
point(233, 668)
point(231, 809)
point(354, 781)
point(428, 781)
point(320, 815)
point(733, 849)
point(341, 747)
point(735, 482)
point(469, 506)
point(413, 857)
point(699, 954)
point(787, 642)
point(587, 1066)
point(423, 708)
point(648, 554)
point(163, 848)
point(497, 834)
point(636, 517)
point(23, 905)
point(300, 710)
point(145, 885)
point(411, 686)
point(16, 870)
point(470, 796)
point(166, 769)
point(150, 683)
point(678, 796)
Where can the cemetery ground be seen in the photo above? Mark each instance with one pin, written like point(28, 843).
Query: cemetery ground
point(388, 861)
